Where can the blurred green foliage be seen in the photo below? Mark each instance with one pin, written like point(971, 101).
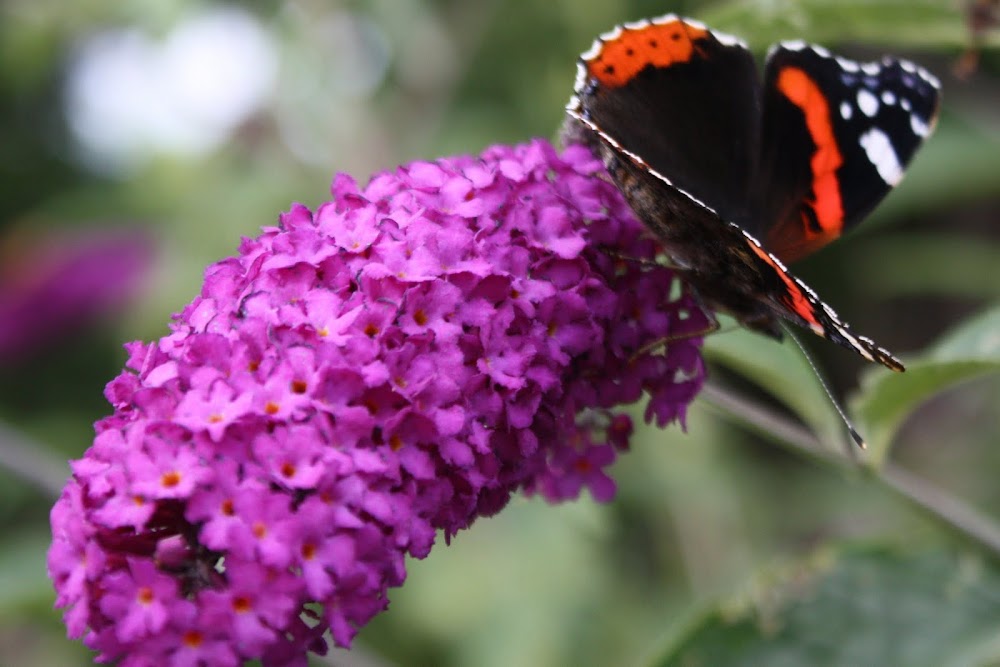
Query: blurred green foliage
point(698, 513)
point(859, 607)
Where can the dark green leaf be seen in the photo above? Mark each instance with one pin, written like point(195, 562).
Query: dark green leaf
point(854, 607)
point(921, 264)
point(782, 370)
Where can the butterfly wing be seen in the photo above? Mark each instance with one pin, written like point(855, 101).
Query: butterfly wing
point(836, 137)
point(684, 98)
point(793, 300)
point(675, 112)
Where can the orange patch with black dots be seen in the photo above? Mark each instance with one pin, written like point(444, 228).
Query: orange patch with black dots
point(803, 92)
point(659, 45)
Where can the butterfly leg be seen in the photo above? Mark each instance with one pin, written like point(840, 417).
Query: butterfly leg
point(711, 327)
point(641, 261)
point(712, 323)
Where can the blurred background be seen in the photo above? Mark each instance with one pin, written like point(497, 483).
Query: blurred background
point(139, 141)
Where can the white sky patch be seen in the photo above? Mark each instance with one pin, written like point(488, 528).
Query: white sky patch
point(880, 152)
point(131, 96)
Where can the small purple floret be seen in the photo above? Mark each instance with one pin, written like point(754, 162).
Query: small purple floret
point(394, 364)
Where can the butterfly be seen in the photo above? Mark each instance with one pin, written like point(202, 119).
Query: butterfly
point(737, 175)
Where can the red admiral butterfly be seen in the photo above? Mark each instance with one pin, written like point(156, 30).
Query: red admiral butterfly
point(711, 159)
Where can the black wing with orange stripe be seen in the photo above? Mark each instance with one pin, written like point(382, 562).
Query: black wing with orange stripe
point(791, 299)
point(836, 138)
point(684, 98)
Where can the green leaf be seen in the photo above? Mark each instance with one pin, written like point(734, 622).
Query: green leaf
point(856, 606)
point(782, 370)
point(949, 266)
point(23, 576)
point(887, 399)
point(912, 23)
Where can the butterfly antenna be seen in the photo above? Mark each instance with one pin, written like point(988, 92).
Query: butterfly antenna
point(829, 394)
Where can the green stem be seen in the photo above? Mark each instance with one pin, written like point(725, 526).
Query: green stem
point(939, 503)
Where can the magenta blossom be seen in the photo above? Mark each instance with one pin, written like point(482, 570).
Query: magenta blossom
point(396, 363)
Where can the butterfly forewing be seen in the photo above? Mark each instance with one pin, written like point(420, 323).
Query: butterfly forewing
point(685, 100)
point(836, 137)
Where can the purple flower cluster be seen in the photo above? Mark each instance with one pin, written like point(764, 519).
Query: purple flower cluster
point(396, 363)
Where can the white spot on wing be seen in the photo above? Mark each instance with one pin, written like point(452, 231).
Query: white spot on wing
point(846, 111)
point(666, 18)
point(848, 65)
point(729, 40)
point(593, 51)
point(888, 98)
point(867, 102)
point(581, 78)
point(928, 77)
point(855, 343)
point(612, 34)
point(819, 50)
point(637, 25)
point(919, 127)
point(880, 152)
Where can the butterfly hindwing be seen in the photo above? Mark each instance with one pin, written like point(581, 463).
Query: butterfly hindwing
point(793, 300)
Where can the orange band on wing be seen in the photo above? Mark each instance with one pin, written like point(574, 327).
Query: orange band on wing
point(803, 92)
point(656, 44)
point(795, 299)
